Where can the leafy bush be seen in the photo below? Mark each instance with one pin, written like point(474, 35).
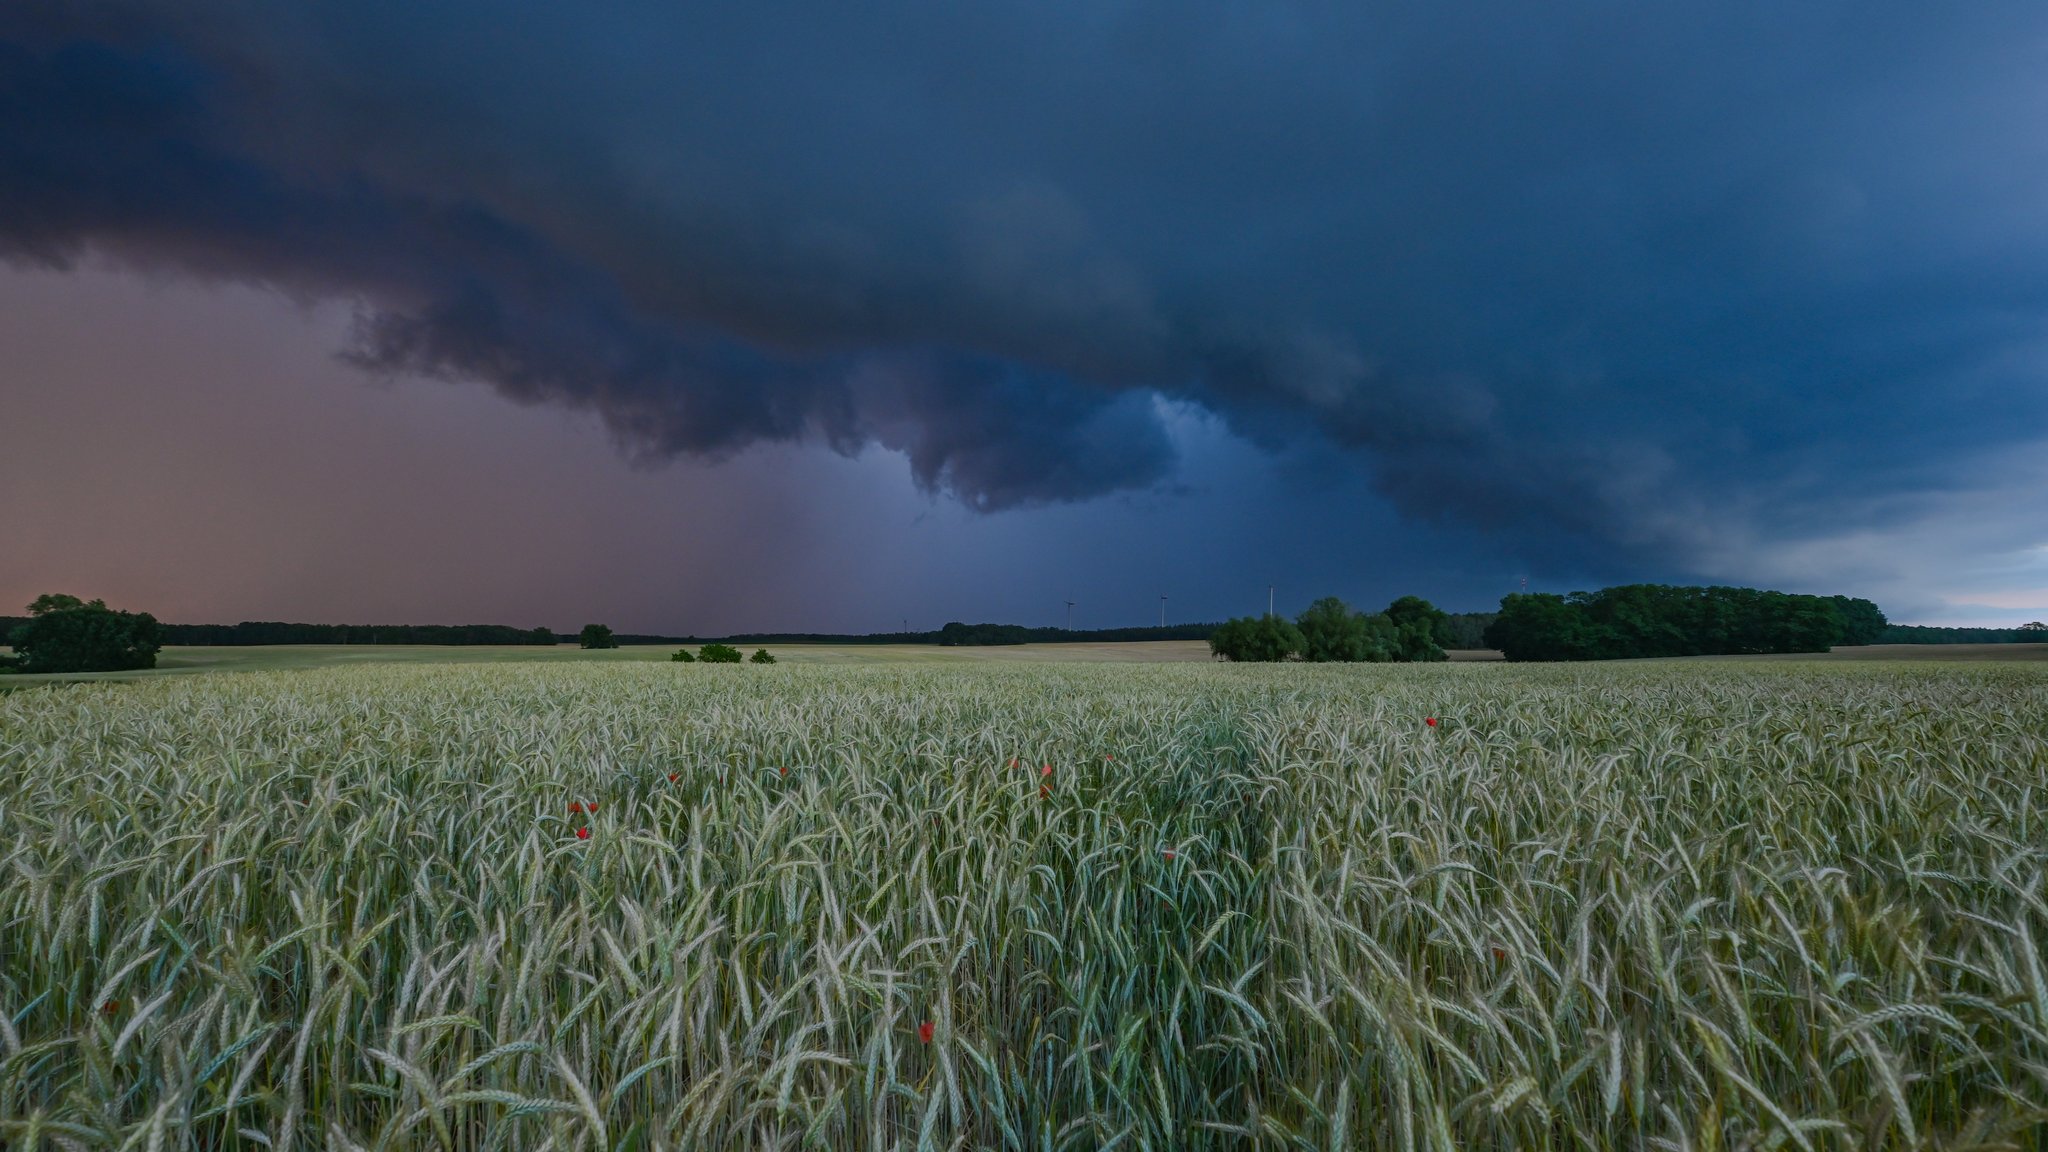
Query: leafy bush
point(718, 654)
point(66, 634)
point(1257, 639)
point(761, 656)
point(682, 656)
point(597, 636)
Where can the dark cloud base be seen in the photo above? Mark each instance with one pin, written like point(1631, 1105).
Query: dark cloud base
point(1615, 292)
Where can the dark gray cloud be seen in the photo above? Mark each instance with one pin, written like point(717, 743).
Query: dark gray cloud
point(1620, 284)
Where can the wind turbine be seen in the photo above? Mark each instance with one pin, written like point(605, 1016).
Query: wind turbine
point(1269, 599)
point(1070, 615)
point(1162, 609)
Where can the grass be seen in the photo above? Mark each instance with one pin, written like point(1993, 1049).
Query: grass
point(183, 661)
point(1684, 905)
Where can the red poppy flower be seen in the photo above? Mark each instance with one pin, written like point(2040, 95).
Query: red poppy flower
point(1109, 757)
point(110, 1007)
point(1045, 771)
point(575, 807)
point(671, 777)
point(590, 807)
point(583, 833)
point(1431, 721)
point(1045, 789)
point(924, 1031)
point(1013, 761)
point(1169, 853)
point(1500, 953)
point(782, 771)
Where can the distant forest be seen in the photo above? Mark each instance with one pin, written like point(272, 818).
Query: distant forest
point(1467, 630)
point(254, 632)
point(251, 632)
point(1922, 634)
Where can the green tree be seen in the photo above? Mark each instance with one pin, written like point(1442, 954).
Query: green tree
point(718, 654)
point(1414, 610)
point(1648, 620)
point(66, 634)
point(682, 656)
point(1542, 626)
point(1415, 643)
point(1862, 621)
point(1333, 633)
point(1257, 639)
point(57, 602)
point(761, 656)
point(543, 636)
point(597, 636)
point(1468, 629)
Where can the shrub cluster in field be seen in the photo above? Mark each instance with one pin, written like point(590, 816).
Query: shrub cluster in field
point(1045, 907)
point(720, 654)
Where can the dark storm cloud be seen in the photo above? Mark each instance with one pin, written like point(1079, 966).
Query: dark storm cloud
point(1621, 280)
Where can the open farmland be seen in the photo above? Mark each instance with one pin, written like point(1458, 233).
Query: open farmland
point(184, 661)
point(1695, 905)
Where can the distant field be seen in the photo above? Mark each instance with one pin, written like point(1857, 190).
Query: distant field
point(178, 661)
point(1918, 652)
point(1023, 904)
point(258, 658)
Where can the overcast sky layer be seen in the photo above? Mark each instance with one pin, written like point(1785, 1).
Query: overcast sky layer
point(815, 316)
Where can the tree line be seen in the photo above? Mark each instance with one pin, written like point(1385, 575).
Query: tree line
point(255, 632)
point(66, 634)
point(1410, 630)
point(2031, 633)
point(1633, 621)
point(958, 634)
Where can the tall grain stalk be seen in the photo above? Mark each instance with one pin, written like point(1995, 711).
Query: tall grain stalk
point(1699, 906)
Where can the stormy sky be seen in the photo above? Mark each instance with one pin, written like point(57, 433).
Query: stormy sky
point(780, 315)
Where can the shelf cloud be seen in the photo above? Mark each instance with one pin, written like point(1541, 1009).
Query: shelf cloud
point(1652, 282)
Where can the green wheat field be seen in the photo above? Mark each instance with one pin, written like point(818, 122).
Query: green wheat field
point(1685, 906)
